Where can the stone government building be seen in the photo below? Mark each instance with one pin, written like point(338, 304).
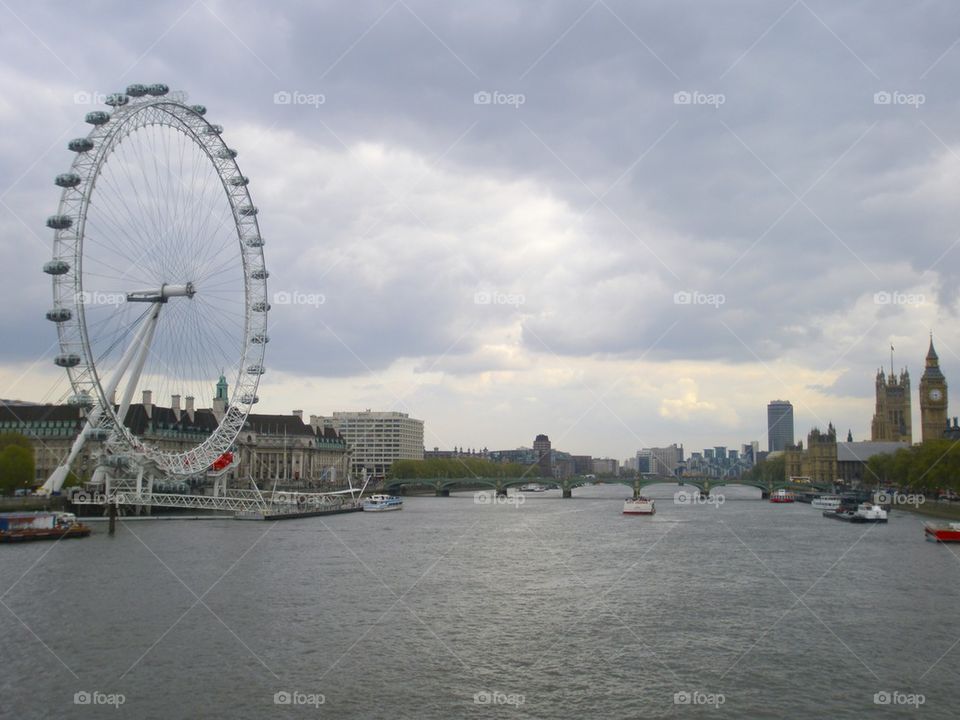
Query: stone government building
point(269, 446)
point(826, 460)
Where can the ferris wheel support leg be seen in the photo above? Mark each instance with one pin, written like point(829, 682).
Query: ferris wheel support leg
point(101, 479)
point(55, 482)
point(141, 343)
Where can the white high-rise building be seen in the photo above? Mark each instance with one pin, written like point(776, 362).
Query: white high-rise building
point(377, 438)
point(665, 460)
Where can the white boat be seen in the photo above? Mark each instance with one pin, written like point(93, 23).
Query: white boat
point(826, 502)
point(382, 503)
point(533, 487)
point(870, 512)
point(639, 506)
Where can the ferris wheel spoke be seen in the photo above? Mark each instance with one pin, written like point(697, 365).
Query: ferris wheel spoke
point(211, 225)
point(173, 207)
point(115, 272)
point(117, 228)
point(118, 195)
point(109, 232)
point(216, 271)
point(130, 184)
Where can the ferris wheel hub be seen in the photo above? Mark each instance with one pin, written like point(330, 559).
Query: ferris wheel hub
point(163, 294)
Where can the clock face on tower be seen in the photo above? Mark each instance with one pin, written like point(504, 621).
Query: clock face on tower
point(936, 395)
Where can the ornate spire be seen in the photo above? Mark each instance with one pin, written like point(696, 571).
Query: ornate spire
point(222, 389)
point(932, 358)
point(932, 370)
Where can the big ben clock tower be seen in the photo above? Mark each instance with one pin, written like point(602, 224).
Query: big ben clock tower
point(933, 398)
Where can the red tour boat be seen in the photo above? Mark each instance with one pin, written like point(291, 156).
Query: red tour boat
point(782, 496)
point(943, 532)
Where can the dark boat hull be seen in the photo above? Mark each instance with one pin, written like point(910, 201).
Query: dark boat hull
point(12, 536)
point(851, 518)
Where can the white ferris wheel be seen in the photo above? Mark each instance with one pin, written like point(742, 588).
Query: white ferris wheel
point(158, 276)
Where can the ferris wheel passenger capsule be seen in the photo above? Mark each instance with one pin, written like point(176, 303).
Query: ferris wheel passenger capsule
point(227, 154)
point(59, 222)
point(97, 117)
point(249, 399)
point(56, 267)
point(115, 461)
point(248, 210)
point(80, 145)
point(67, 180)
point(260, 339)
point(59, 315)
point(239, 180)
point(117, 100)
point(199, 109)
point(136, 90)
point(80, 400)
point(213, 130)
point(255, 242)
point(67, 360)
point(157, 89)
point(259, 274)
point(260, 307)
point(256, 370)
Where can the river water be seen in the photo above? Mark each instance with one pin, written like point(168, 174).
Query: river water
point(451, 608)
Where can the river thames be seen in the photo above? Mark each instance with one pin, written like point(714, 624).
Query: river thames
point(452, 608)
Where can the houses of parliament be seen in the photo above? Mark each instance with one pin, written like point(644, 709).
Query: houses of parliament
point(892, 420)
point(826, 460)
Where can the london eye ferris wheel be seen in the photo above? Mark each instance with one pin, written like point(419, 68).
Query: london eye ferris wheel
point(158, 275)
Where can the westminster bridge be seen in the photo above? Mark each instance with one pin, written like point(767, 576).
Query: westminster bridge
point(442, 486)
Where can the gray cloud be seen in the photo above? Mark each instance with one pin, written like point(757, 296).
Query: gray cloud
point(394, 197)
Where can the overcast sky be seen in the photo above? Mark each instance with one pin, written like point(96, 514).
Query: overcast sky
point(622, 224)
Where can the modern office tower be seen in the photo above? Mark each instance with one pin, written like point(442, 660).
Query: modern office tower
point(377, 438)
point(779, 425)
point(541, 448)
